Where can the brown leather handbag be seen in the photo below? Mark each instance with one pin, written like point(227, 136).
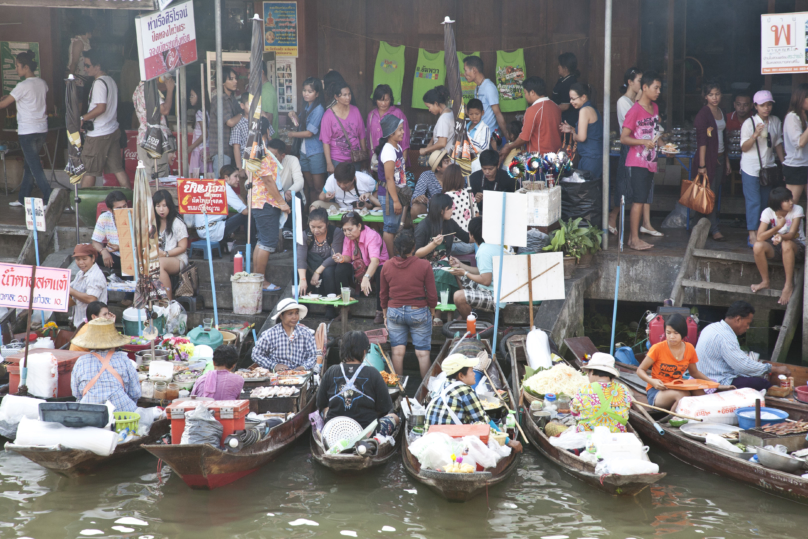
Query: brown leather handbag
point(697, 195)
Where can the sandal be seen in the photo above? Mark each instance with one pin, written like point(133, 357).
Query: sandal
point(272, 288)
point(437, 322)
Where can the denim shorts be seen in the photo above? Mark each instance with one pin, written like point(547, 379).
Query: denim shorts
point(267, 224)
point(314, 164)
point(415, 320)
point(651, 395)
point(392, 222)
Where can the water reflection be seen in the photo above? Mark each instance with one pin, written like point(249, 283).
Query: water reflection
point(294, 497)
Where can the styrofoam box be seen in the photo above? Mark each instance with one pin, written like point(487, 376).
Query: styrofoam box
point(719, 407)
point(543, 207)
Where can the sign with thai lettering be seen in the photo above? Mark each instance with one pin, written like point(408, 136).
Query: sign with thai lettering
point(784, 43)
point(51, 290)
point(34, 212)
point(280, 28)
point(166, 40)
point(202, 196)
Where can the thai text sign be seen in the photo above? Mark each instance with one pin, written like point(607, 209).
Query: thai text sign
point(34, 213)
point(784, 43)
point(166, 40)
point(280, 28)
point(202, 196)
point(51, 290)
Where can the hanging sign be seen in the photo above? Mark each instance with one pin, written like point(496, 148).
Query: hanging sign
point(166, 40)
point(784, 43)
point(8, 54)
point(202, 196)
point(280, 28)
point(34, 212)
point(51, 290)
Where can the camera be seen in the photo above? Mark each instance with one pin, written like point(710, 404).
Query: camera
point(87, 125)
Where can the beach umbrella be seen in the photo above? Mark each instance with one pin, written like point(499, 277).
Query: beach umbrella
point(153, 141)
point(145, 228)
point(75, 168)
point(452, 67)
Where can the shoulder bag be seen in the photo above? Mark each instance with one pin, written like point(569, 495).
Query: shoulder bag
point(188, 285)
point(768, 177)
point(697, 195)
point(357, 156)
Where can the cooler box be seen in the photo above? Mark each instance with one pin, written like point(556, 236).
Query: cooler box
point(65, 358)
point(543, 207)
point(459, 431)
point(719, 407)
point(230, 414)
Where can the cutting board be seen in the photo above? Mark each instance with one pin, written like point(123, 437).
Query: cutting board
point(691, 384)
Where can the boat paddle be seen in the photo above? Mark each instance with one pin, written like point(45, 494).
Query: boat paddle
point(668, 411)
point(518, 426)
point(398, 382)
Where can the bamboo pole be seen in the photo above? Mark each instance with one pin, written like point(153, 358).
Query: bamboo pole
point(667, 411)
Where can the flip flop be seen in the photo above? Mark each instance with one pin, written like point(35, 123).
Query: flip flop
point(272, 288)
point(749, 243)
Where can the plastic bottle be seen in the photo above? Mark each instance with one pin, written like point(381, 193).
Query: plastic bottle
point(471, 324)
point(238, 263)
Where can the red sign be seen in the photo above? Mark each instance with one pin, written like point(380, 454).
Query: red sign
point(51, 290)
point(202, 196)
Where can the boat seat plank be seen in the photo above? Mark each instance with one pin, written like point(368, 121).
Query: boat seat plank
point(732, 288)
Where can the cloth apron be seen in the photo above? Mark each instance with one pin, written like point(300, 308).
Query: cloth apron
point(105, 366)
point(350, 384)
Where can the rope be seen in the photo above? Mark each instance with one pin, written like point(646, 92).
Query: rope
point(481, 52)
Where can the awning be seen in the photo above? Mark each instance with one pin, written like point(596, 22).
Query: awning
point(149, 5)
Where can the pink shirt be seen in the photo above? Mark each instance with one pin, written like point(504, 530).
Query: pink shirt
point(227, 386)
point(375, 128)
point(643, 126)
point(331, 133)
point(370, 246)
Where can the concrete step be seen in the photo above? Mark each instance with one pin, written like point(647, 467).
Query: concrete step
point(279, 269)
point(729, 256)
point(735, 289)
point(224, 297)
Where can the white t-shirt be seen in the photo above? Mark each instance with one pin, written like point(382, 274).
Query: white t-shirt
point(107, 123)
point(364, 184)
point(624, 104)
point(768, 216)
point(444, 127)
point(792, 129)
point(32, 116)
point(215, 222)
point(749, 160)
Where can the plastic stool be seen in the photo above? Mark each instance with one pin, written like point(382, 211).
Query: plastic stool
point(202, 245)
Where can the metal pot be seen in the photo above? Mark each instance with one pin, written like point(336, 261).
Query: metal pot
point(778, 461)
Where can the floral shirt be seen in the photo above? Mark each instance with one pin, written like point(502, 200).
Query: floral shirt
point(585, 407)
point(260, 194)
point(139, 99)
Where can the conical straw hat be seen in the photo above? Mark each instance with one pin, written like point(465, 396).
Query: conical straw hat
point(100, 335)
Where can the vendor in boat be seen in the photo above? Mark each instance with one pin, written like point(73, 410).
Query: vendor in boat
point(722, 358)
point(604, 402)
point(89, 285)
point(104, 374)
point(95, 310)
point(356, 390)
point(668, 361)
point(458, 403)
point(289, 344)
point(221, 383)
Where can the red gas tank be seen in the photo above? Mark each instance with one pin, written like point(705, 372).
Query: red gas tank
point(656, 330)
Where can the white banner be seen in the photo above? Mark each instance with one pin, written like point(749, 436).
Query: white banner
point(784, 43)
point(166, 40)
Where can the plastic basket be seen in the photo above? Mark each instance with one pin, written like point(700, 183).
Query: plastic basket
point(377, 336)
point(126, 420)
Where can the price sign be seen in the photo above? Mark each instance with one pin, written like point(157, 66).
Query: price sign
point(34, 212)
point(51, 290)
point(202, 196)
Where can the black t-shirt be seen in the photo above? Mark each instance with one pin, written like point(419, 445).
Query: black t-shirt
point(358, 407)
point(502, 182)
point(561, 96)
point(423, 235)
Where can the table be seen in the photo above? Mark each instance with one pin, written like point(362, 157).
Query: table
point(372, 218)
point(343, 308)
point(449, 308)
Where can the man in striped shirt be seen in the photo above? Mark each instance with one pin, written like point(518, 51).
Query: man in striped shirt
point(720, 355)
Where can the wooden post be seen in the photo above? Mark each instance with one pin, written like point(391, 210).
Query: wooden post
point(530, 289)
point(23, 389)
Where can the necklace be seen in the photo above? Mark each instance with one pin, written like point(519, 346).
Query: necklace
point(320, 243)
point(676, 355)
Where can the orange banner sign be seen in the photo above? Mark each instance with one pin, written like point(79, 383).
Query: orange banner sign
point(202, 196)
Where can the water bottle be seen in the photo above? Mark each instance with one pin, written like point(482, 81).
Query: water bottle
point(238, 263)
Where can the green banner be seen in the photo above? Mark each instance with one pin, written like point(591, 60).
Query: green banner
point(8, 52)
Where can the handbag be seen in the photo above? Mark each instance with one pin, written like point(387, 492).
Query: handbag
point(768, 177)
point(188, 285)
point(359, 155)
point(697, 195)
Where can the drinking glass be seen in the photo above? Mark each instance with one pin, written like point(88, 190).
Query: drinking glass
point(346, 294)
point(207, 323)
point(444, 297)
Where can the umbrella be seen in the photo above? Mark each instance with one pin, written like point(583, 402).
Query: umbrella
point(147, 262)
point(154, 139)
point(452, 67)
point(75, 168)
point(463, 151)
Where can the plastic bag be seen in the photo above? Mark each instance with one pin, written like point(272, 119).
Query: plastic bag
point(569, 439)
point(435, 384)
point(44, 343)
point(480, 452)
point(582, 200)
point(536, 241)
point(147, 418)
point(13, 409)
point(417, 408)
point(201, 427)
point(176, 318)
point(537, 346)
point(676, 218)
point(502, 451)
point(43, 375)
point(39, 433)
point(434, 451)
point(626, 467)
point(721, 443)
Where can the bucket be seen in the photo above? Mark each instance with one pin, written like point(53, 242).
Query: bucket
point(247, 294)
point(130, 322)
point(374, 358)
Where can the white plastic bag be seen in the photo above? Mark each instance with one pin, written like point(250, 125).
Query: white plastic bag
point(43, 375)
point(719, 407)
point(569, 439)
point(435, 384)
point(626, 467)
point(537, 346)
point(39, 433)
point(13, 409)
point(721, 443)
point(42, 342)
point(176, 318)
point(417, 408)
point(501, 450)
point(434, 450)
point(480, 452)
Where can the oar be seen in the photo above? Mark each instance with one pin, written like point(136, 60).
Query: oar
point(518, 426)
point(668, 411)
point(400, 387)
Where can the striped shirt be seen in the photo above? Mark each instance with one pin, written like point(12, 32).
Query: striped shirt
point(721, 358)
point(275, 347)
point(107, 387)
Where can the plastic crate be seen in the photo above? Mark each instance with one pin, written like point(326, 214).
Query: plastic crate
point(74, 414)
point(377, 336)
point(130, 420)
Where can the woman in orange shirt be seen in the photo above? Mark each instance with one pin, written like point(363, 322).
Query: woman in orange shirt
point(668, 361)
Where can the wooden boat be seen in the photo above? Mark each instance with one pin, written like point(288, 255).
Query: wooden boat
point(204, 467)
point(656, 430)
point(458, 487)
point(74, 462)
point(622, 485)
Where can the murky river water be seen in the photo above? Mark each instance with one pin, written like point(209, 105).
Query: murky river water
point(537, 501)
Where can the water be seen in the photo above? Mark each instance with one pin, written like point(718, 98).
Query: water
point(539, 500)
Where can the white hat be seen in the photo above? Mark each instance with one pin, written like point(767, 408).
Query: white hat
point(601, 362)
point(289, 304)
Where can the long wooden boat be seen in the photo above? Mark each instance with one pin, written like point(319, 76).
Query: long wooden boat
point(700, 455)
point(458, 487)
point(75, 462)
point(205, 467)
point(621, 485)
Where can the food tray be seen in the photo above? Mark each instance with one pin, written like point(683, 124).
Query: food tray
point(691, 384)
point(760, 438)
point(276, 405)
point(698, 431)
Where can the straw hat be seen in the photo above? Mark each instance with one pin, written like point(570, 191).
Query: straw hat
point(289, 304)
point(601, 362)
point(436, 158)
point(100, 335)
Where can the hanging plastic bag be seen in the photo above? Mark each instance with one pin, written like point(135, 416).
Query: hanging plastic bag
point(176, 318)
point(435, 384)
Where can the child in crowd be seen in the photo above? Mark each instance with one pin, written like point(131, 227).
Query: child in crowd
point(479, 132)
point(220, 383)
point(514, 129)
point(780, 237)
